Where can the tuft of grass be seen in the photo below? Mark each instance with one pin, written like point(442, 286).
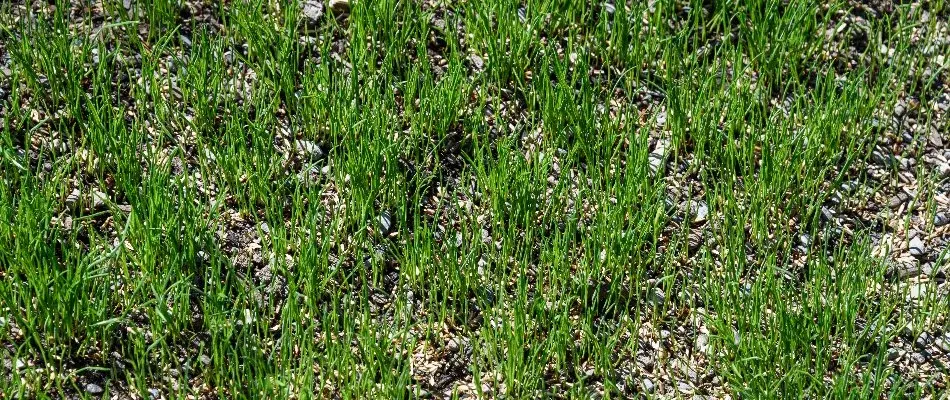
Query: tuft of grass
point(488, 199)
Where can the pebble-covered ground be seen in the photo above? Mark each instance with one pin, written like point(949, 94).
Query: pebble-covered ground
point(474, 199)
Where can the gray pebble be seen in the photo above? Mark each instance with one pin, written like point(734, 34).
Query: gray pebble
point(648, 385)
point(917, 247)
point(941, 219)
point(311, 11)
point(385, 223)
point(310, 149)
point(898, 200)
point(935, 139)
point(476, 61)
point(700, 211)
point(805, 240)
point(93, 388)
point(72, 198)
point(99, 199)
point(684, 387)
point(943, 344)
point(645, 362)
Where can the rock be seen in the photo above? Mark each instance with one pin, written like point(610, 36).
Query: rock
point(339, 7)
point(154, 394)
point(917, 291)
point(385, 223)
point(311, 13)
point(881, 159)
point(908, 271)
point(935, 139)
point(477, 62)
point(917, 247)
point(700, 211)
point(900, 109)
point(944, 170)
point(893, 355)
point(898, 200)
point(684, 388)
point(944, 343)
point(923, 340)
point(93, 388)
point(310, 150)
point(645, 363)
point(99, 199)
point(656, 160)
point(72, 197)
point(941, 219)
point(647, 385)
point(702, 343)
point(805, 240)
point(609, 8)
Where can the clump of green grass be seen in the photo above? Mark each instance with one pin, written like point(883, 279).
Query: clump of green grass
point(443, 200)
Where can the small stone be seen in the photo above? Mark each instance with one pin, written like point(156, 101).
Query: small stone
point(898, 200)
point(943, 344)
point(702, 343)
point(944, 170)
point(339, 7)
point(385, 223)
point(941, 219)
point(311, 13)
point(805, 240)
point(310, 149)
point(700, 212)
point(908, 271)
point(93, 388)
point(923, 340)
point(646, 363)
point(477, 62)
point(99, 199)
point(900, 109)
point(684, 387)
point(204, 359)
point(893, 355)
point(917, 247)
point(72, 197)
point(656, 161)
point(647, 385)
point(609, 8)
point(917, 291)
point(880, 158)
point(935, 139)
point(154, 394)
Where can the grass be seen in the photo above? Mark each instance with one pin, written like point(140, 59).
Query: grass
point(451, 200)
